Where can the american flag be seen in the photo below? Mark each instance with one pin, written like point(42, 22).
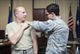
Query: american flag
point(70, 25)
point(70, 20)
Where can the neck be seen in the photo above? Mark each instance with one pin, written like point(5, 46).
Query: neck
point(19, 21)
point(56, 17)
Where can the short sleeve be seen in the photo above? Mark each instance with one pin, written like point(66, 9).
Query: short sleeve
point(9, 31)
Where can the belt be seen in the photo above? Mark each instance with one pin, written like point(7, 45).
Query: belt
point(25, 51)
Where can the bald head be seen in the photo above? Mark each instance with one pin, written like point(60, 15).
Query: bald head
point(17, 9)
point(20, 13)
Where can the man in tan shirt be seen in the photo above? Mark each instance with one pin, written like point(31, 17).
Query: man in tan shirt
point(20, 34)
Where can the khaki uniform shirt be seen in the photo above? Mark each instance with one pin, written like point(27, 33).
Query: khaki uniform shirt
point(25, 42)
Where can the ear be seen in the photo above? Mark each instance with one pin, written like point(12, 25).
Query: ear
point(15, 14)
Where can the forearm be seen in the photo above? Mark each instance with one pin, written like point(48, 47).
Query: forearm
point(35, 46)
point(34, 41)
point(16, 36)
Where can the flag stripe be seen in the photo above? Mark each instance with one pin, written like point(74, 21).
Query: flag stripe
point(71, 21)
point(71, 24)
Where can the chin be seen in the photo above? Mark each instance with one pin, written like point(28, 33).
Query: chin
point(49, 18)
point(23, 20)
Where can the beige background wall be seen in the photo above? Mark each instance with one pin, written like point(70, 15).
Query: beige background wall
point(4, 4)
point(64, 9)
point(42, 3)
point(64, 6)
point(27, 4)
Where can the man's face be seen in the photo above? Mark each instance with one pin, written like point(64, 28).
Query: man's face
point(21, 14)
point(50, 16)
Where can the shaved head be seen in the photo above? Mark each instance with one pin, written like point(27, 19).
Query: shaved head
point(20, 13)
point(18, 9)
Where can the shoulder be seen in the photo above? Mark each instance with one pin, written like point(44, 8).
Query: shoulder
point(10, 24)
point(28, 22)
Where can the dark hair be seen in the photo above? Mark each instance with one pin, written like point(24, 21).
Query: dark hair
point(53, 8)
